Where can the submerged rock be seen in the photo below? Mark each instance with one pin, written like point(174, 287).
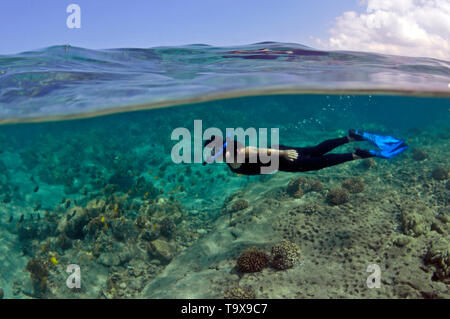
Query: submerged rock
point(161, 249)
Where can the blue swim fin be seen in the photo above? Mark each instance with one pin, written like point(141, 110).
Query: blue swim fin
point(389, 146)
point(390, 151)
point(379, 141)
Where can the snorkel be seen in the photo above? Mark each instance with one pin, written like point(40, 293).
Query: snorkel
point(212, 158)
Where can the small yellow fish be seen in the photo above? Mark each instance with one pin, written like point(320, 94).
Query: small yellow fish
point(154, 226)
point(54, 260)
point(102, 219)
point(146, 195)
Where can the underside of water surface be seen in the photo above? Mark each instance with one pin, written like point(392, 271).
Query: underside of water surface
point(103, 193)
point(62, 82)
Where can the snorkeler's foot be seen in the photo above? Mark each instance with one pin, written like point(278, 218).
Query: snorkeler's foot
point(354, 136)
point(360, 153)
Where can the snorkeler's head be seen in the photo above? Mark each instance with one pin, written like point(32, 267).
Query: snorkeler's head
point(217, 144)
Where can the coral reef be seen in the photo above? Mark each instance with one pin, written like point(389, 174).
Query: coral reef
point(252, 260)
point(284, 255)
point(338, 196)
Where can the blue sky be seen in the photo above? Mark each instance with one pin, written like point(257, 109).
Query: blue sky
point(34, 24)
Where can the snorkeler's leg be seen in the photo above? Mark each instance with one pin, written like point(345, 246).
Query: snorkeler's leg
point(319, 162)
point(325, 146)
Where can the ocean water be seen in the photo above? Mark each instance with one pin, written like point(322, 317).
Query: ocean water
point(87, 177)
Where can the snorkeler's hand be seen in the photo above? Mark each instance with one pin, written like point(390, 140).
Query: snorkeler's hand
point(290, 155)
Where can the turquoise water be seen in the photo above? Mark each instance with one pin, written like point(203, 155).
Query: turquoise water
point(103, 192)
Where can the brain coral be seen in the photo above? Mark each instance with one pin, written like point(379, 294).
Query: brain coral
point(252, 260)
point(285, 255)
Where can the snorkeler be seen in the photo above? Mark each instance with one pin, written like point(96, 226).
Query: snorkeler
point(303, 159)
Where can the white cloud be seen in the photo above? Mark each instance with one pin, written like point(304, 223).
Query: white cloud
point(403, 27)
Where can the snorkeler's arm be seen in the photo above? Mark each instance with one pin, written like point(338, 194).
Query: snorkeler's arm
point(290, 155)
point(251, 150)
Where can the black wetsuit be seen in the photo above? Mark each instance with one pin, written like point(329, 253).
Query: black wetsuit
point(309, 158)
